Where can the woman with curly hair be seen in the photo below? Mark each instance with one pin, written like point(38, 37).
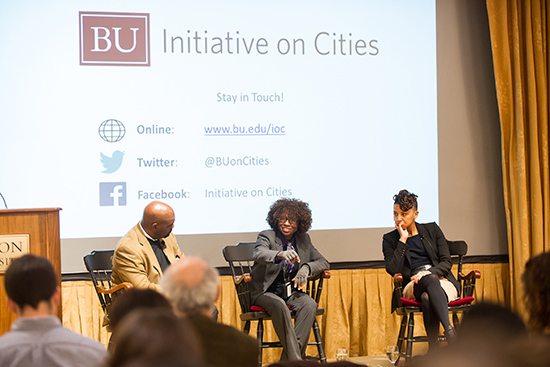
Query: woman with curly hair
point(537, 292)
point(284, 258)
point(421, 253)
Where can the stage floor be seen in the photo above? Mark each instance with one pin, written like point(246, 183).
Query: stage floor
point(370, 361)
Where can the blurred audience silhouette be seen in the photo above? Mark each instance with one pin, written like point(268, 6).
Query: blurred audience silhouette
point(537, 293)
point(135, 299)
point(192, 286)
point(493, 335)
point(155, 335)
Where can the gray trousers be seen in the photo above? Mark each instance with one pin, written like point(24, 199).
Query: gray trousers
point(294, 338)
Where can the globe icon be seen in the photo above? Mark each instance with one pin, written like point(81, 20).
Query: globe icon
point(111, 130)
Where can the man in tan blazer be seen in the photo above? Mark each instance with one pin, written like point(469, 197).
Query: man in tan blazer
point(146, 250)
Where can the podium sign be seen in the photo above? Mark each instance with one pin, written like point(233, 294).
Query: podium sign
point(12, 246)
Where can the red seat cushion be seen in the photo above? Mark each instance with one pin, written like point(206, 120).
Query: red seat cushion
point(410, 303)
point(461, 301)
point(257, 308)
point(458, 302)
point(260, 309)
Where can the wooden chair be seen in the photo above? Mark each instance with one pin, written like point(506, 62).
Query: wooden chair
point(100, 266)
point(241, 259)
point(408, 308)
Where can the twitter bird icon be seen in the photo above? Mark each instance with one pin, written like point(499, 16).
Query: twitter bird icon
point(112, 164)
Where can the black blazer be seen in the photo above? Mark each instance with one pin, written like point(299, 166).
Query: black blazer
point(398, 259)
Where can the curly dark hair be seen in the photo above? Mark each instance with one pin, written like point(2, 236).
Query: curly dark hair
point(406, 200)
point(292, 209)
point(537, 292)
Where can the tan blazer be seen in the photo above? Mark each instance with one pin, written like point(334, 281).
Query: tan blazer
point(135, 261)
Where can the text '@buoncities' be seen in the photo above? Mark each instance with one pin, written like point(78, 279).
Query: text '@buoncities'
point(235, 162)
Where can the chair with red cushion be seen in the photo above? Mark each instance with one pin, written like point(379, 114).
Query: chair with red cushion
point(241, 259)
point(408, 308)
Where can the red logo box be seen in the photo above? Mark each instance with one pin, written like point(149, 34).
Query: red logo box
point(114, 39)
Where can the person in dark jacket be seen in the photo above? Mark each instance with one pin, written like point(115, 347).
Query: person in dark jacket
point(421, 253)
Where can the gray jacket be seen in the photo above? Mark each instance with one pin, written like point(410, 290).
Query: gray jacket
point(44, 341)
point(265, 269)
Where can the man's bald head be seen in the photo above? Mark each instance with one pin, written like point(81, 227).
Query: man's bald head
point(191, 285)
point(158, 220)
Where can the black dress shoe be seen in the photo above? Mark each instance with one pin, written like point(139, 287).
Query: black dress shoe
point(450, 334)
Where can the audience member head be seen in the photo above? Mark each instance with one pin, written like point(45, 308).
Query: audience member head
point(159, 361)
point(519, 352)
point(486, 322)
point(490, 335)
point(147, 335)
point(537, 292)
point(294, 210)
point(134, 299)
point(158, 220)
point(289, 363)
point(533, 351)
point(31, 286)
point(406, 200)
point(191, 286)
point(455, 356)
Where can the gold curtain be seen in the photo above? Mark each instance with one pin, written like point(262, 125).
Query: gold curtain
point(519, 38)
point(357, 309)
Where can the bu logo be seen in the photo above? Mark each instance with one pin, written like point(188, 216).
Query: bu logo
point(114, 39)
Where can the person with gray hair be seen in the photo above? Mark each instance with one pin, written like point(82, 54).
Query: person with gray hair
point(192, 286)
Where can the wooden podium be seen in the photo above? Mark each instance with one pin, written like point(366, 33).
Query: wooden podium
point(42, 228)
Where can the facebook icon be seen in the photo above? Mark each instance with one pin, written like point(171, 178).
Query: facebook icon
point(112, 193)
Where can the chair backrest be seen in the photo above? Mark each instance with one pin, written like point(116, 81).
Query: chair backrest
point(241, 258)
point(100, 266)
point(458, 250)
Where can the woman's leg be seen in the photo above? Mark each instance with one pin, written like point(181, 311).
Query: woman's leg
point(305, 308)
point(282, 323)
point(434, 306)
point(431, 321)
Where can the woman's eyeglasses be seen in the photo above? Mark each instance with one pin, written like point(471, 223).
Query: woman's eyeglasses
point(291, 221)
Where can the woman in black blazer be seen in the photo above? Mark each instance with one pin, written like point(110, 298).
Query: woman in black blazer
point(421, 253)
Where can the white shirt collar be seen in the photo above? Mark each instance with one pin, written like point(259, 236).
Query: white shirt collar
point(145, 233)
